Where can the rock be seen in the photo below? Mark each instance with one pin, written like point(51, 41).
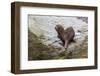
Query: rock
point(44, 28)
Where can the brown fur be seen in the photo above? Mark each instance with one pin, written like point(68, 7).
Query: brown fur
point(66, 36)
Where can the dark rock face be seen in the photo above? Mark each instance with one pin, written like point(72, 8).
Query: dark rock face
point(66, 36)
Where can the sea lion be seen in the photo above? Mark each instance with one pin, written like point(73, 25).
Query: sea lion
point(66, 36)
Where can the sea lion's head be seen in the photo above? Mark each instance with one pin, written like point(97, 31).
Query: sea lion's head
point(59, 28)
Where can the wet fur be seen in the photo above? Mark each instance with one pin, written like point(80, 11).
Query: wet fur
point(66, 36)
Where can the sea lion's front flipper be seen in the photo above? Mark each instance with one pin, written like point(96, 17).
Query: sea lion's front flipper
point(66, 44)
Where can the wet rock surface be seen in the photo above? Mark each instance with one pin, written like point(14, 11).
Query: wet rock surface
point(43, 43)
